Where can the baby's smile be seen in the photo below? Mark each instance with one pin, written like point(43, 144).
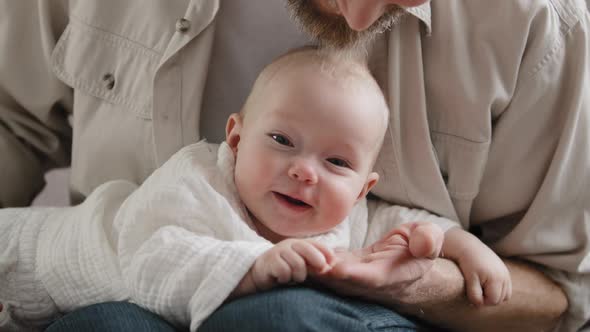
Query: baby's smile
point(291, 202)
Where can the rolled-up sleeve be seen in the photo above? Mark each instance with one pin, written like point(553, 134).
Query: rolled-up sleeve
point(34, 131)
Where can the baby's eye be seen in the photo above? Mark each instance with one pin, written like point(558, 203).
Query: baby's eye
point(282, 140)
point(339, 162)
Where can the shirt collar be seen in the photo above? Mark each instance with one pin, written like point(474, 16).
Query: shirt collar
point(423, 13)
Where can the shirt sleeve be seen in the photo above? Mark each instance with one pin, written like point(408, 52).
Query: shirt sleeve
point(34, 131)
point(183, 276)
point(182, 247)
point(22, 292)
point(539, 162)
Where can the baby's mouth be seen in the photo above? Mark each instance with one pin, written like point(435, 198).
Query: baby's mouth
point(291, 201)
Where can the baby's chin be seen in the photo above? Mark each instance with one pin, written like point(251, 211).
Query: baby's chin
point(277, 235)
point(301, 234)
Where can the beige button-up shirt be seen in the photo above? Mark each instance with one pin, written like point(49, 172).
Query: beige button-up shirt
point(490, 111)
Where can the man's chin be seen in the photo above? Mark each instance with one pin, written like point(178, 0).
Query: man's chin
point(332, 30)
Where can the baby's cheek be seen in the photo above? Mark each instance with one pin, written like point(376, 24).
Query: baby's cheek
point(255, 167)
point(248, 180)
point(342, 200)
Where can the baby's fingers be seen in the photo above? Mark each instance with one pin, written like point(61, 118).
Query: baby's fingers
point(474, 290)
point(509, 290)
point(280, 270)
point(297, 265)
point(506, 290)
point(493, 291)
point(315, 255)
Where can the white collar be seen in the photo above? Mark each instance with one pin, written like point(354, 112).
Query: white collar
point(423, 12)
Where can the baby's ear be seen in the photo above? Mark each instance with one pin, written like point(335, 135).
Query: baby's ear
point(372, 179)
point(232, 131)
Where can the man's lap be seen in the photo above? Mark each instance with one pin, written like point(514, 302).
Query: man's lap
point(111, 316)
point(303, 309)
point(284, 309)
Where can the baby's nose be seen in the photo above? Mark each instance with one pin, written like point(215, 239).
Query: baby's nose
point(303, 170)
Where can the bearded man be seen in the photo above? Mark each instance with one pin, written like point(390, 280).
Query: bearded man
point(489, 127)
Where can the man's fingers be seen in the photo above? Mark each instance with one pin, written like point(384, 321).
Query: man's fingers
point(393, 242)
point(426, 240)
point(384, 255)
point(358, 274)
point(397, 236)
point(394, 267)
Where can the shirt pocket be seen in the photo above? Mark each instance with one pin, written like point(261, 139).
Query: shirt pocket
point(106, 66)
point(462, 164)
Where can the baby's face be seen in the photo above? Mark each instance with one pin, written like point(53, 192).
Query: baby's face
point(305, 153)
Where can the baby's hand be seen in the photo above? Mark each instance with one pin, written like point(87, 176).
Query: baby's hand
point(290, 260)
point(487, 279)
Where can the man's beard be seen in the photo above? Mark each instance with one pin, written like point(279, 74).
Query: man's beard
point(331, 30)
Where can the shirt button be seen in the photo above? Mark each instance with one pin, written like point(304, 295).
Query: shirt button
point(182, 25)
point(109, 81)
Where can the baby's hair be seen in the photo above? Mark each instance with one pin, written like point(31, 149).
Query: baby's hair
point(344, 69)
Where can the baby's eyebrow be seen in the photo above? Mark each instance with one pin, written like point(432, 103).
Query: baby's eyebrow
point(351, 154)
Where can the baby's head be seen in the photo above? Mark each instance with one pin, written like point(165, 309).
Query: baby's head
point(306, 141)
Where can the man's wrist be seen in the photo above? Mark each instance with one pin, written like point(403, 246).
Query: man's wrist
point(443, 283)
point(438, 297)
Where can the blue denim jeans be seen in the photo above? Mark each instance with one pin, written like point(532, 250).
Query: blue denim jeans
point(111, 316)
point(285, 309)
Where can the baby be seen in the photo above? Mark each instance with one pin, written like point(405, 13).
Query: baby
point(305, 144)
point(300, 169)
point(264, 208)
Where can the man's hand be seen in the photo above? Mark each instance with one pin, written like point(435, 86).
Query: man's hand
point(383, 270)
point(395, 275)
